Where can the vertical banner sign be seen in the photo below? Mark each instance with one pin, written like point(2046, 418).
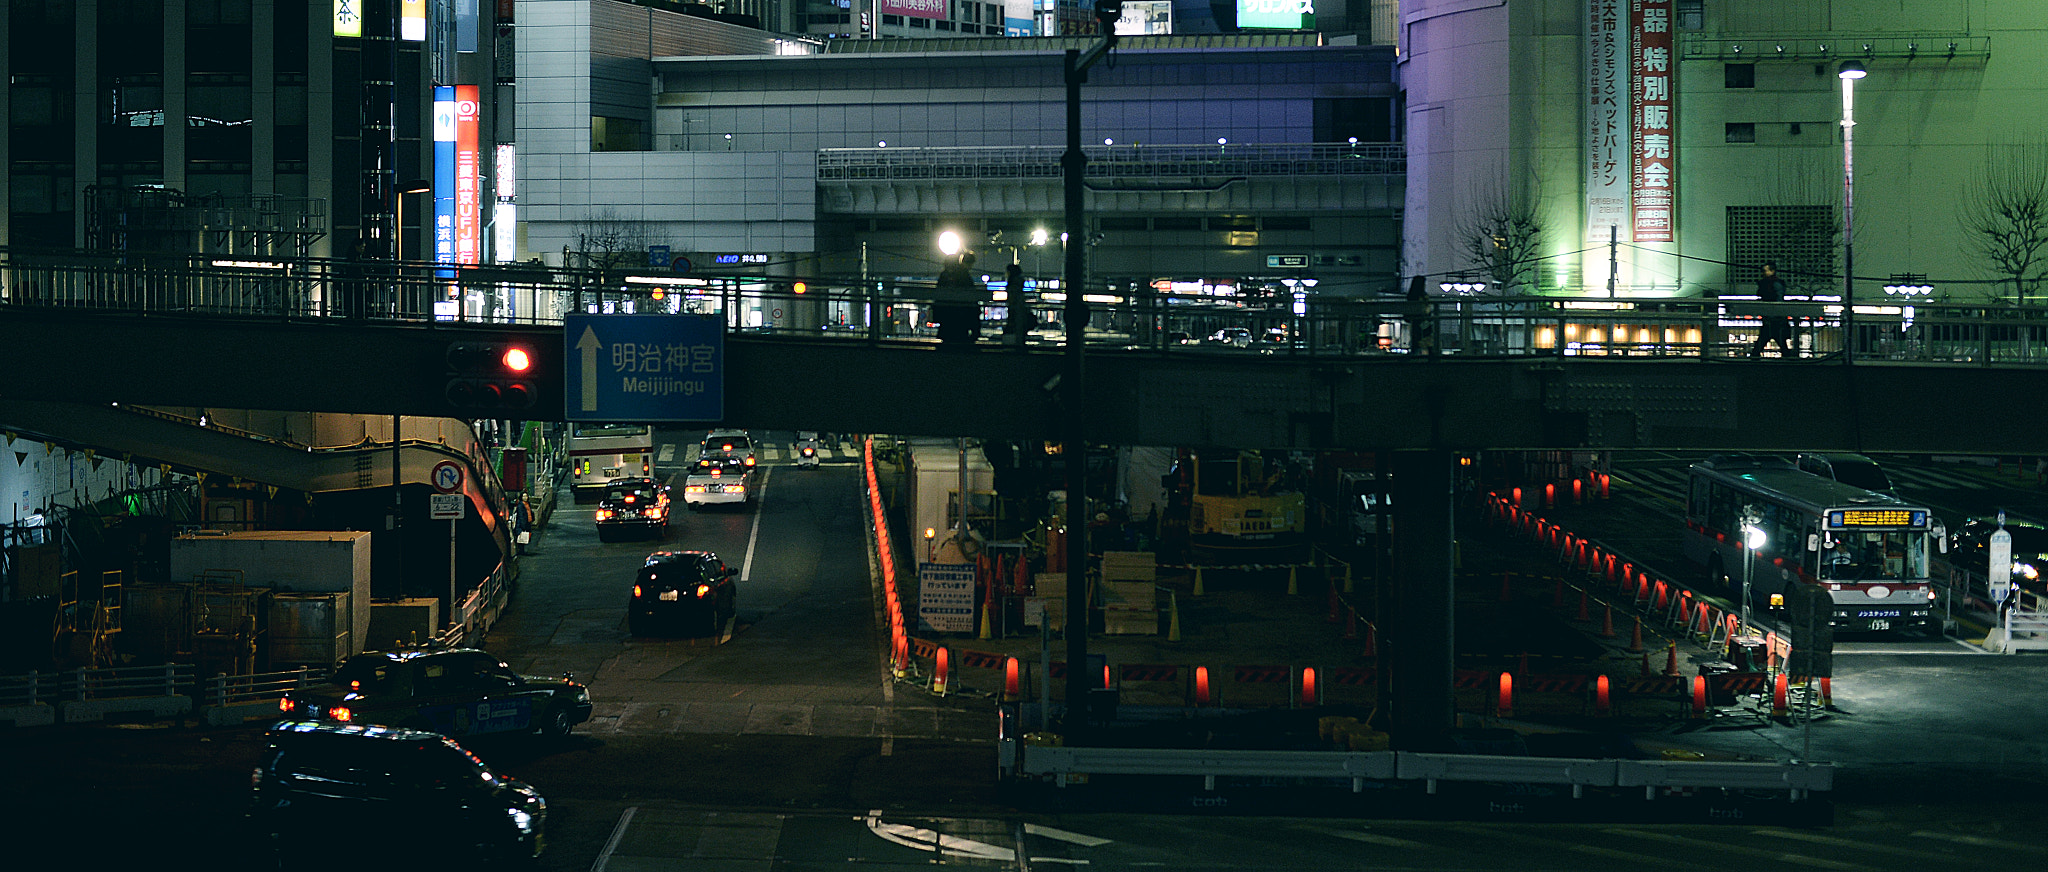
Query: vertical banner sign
point(1608, 129)
point(505, 216)
point(469, 222)
point(1656, 151)
point(444, 173)
point(412, 26)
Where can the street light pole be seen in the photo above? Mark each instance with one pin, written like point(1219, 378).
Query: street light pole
point(1849, 72)
point(1073, 166)
point(1752, 539)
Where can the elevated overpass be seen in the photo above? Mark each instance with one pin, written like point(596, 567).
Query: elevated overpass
point(1134, 395)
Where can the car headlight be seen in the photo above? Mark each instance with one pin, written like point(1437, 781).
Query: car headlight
point(582, 694)
point(521, 818)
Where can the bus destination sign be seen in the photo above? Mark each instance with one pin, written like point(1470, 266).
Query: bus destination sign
point(1851, 519)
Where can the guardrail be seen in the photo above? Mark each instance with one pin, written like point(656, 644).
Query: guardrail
point(1126, 318)
point(1064, 766)
point(170, 690)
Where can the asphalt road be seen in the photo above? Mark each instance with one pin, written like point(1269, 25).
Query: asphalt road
point(782, 747)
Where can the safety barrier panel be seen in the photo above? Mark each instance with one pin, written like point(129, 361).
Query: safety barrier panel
point(1062, 765)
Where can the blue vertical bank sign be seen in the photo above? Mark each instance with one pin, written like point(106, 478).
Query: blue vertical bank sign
point(644, 368)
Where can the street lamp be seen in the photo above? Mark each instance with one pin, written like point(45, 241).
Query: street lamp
point(1849, 72)
point(1752, 539)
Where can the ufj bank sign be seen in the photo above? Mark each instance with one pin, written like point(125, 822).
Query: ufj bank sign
point(643, 368)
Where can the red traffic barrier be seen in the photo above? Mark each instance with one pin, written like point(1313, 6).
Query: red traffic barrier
point(941, 670)
point(1780, 689)
point(1202, 685)
point(1699, 696)
point(1603, 705)
point(1310, 695)
point(1012, 678)
point(1507, 695)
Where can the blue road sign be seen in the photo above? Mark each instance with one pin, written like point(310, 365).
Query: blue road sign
point(657, 255)
point(651, 368)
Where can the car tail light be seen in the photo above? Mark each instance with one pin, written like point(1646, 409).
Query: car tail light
point(632, 499)
point(750, 460)
point(703, 590)
point(656, 512)
point(341, 713)
point(603, 514)
point(285, 704)
point(636, 591)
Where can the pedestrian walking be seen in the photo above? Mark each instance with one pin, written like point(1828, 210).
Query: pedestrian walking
point(1775, 328)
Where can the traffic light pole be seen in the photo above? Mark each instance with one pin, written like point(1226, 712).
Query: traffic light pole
point(1073, 167)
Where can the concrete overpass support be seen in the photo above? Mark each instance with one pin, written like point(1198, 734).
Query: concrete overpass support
point(1417, 603)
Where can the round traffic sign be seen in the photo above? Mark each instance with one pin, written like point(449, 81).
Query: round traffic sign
point(447, 476)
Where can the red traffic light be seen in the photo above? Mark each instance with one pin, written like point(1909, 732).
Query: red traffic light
point(516, 359)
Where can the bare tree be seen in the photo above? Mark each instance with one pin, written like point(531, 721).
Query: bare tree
point(1503, 233)
point(607, 241)
point(1805, 227)
point(2004, 214)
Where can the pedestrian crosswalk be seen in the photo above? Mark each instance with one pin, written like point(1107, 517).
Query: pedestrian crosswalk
point(766, 453)
point(1668, 482)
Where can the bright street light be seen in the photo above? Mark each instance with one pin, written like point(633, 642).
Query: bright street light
point(949, 243)
point(1849, 72)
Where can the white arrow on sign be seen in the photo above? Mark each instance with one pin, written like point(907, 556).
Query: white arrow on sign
point(589, 345)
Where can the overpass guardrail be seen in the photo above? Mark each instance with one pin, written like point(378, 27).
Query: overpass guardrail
point(1126, 317)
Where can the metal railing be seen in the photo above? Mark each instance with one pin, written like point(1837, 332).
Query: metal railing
point(1130, 318)
point(1067, 765)
point(1113, 161)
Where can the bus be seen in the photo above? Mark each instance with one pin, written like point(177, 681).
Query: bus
point(1868, 550)
point(602, 453)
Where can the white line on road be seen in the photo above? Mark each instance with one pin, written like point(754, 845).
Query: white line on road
point(1082, 839)
point(618, 832)
point(753, 536)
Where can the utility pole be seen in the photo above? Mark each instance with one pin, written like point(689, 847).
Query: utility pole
point(1073, 166)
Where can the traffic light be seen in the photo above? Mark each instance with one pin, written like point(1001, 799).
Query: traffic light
point(490, 376)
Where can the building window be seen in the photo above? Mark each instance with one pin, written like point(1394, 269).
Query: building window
point(1741, 131)
point(1738, 75)
point(1690, 14)
point(1801, 240)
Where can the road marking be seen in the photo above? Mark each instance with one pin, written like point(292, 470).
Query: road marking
point(1082, 839)
point(1981, 842)
point(1724, 848)
point(668, 453)
point(923, 839)
point(1368, 838)
point(754, 536)
point(1855, 844)
point(618, 832)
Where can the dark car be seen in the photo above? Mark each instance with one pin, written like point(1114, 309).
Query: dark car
point(1855, 470)
point(452, 691)
point(1970, 550)
point(398, 796)
point(633, 505)
point(683, 592)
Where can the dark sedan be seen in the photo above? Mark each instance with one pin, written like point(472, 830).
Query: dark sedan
point(637, 505)
point(451, 691)
point(686, 593)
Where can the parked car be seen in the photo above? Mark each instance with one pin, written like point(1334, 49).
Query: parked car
point(728, 443)
point(633, 505)
point(683, 592)
point(451, 691)
point(718, 480)
point(327, 791)
point(1855, 470)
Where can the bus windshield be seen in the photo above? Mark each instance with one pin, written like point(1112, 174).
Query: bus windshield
point(591, 431)
point(1865, 555)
